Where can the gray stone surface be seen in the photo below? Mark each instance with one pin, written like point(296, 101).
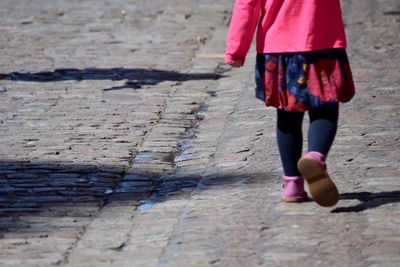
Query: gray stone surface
point(126, 141)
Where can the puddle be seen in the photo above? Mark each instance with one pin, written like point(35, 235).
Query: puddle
point(146, 205)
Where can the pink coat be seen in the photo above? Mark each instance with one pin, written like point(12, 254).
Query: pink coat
point(284, 26)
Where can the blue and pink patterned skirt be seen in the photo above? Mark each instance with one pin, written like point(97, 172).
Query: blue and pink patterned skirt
point(304, 80)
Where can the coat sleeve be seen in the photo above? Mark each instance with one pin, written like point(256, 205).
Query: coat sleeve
point(245, 16)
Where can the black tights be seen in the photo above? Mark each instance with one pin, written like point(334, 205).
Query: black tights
point(321, 133)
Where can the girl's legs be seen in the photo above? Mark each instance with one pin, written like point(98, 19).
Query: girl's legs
point(322, 130)
point(321, 133)
point(290, 143)
point(290, 140)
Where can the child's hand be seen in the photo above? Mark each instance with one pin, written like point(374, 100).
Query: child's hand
point(235, 64)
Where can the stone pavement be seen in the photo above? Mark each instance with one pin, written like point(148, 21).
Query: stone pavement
point(127, 142)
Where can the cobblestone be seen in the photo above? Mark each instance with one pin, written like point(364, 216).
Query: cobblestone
point(127, 142)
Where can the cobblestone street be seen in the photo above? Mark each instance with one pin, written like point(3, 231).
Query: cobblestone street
point(126, 141)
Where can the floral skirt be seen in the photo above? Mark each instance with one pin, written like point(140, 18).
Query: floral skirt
point(304, 80)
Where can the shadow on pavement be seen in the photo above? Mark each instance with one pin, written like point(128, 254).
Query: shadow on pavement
point(30, 188)
point(136, 78)
point(54, 189)
point(368, 200)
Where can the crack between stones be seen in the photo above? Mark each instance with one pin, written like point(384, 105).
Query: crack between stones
point(185, 211)
point(152, 193)
point(106, 198)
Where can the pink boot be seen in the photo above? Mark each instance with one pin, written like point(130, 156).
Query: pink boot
point(313, 168)
point(293, 189)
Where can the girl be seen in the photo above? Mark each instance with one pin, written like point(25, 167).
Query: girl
point(301, 66)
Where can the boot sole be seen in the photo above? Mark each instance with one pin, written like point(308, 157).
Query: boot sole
point(322, 189)
point(294, 199)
